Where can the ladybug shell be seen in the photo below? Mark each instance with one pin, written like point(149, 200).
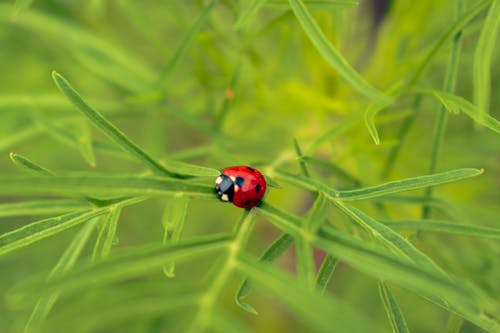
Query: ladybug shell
point(249, 185)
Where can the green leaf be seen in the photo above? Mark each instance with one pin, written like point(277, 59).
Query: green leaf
point(173, 220)
point(325, 272)
point(110, 130)
point(41, 207)
point(393, 187)
point(251, 9)
point(302, 163)
point(335, 170)
point(370, 113)
point(331, 55)
point(125, 265)
point(319, 312)
point(107, 234)
point(385, 235)
point(446, 227)
point(419, 279)
point(24, 162)
point(190, 169)
point(36, 231)
point(392, 309)
point(100, 185)
point(65, 263)
point(455, 104)
point(448, 35)
point(482, 63)
point(275, 250)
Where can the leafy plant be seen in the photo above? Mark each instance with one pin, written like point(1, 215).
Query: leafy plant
point(108, 210)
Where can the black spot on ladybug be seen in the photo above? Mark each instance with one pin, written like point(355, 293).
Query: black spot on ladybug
point(240, 181)
point(251, 169)
point(246, 203)
point(257, 188)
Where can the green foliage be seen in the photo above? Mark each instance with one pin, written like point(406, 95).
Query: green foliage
point(107, 206)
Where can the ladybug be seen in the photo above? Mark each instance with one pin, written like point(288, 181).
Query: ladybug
point(244, 186)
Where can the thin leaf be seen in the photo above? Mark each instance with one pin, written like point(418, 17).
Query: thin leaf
point(331, 55)
point(394, 241)
point(442, 118)
point(126, 265)
point(455, 104)
point(319, 312)
point(110, 130)
point(446, 227)
point(336, 171)
point(392, 309)
point(26, 163)
point(275, 250)
point(100, 185)
point(66, 262)
point(372, 110)
point(305, 262)
point(186, 40)
point(173, 220)
point(457, 26)
point(481, 77)
point(107, 234)
point(382, 265)
point(36, 231)
point(251, 9)
point(302, 163)
point(41, 207)
point(190, 169)
point(18, 137)
point(325, 272)
point(393, 187)
point(229, 96)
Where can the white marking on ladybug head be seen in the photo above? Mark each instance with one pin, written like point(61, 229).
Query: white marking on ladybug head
point(218, 180)
point(233, 178)
point(219, 193)
point(236, 188)
point(224, 197)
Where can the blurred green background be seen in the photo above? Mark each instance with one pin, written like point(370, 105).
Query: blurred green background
point(186, 84)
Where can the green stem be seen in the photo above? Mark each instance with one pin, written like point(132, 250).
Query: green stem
point(442, 121)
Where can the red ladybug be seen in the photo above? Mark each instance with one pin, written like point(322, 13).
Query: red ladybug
point(244, 186)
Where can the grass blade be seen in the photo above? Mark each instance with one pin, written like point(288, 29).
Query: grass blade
point(382, 265)
point(41, 207)
point(36, 231)
point(302, 163)
point(446, 227)
point(24, 162)
point(325, 273)
point(393, 187)
point(66, 262)
point(457, 26)
point(392, 309)
point(110, 130)
point(107, 234)
point(481, 76)
point(319, 312)
point(455, 104)
point(100, 185)
point(126, 265)
point(331, 55)
point(173, 220)
point(251, 9)
point(394, 241)
point(275, 250)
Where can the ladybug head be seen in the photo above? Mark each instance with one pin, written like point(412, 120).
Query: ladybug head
point(225, 188)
